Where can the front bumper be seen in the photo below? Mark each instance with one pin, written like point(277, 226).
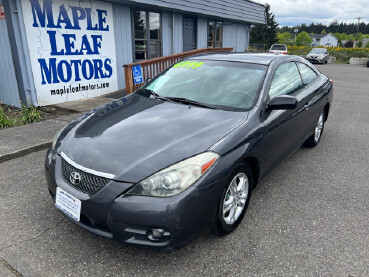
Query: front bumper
point(314, 59)
point(127, 218)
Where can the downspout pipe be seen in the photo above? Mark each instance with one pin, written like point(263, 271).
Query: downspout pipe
point(30, 87)
point(172, 32)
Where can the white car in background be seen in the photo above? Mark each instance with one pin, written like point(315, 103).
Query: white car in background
point(278, 49)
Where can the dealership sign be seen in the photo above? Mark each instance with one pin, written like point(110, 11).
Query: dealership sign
point(72, 49)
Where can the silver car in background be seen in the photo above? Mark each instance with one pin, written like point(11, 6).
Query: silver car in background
point(318, 55)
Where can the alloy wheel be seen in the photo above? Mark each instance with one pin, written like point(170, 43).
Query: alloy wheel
point(235, 198)
point(319, 128)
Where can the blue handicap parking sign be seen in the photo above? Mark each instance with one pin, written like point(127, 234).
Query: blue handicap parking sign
point(137, 74)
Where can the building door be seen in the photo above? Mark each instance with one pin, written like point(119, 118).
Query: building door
point(189, 34)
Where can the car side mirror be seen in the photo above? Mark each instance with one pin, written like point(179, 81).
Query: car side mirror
point(282, 102)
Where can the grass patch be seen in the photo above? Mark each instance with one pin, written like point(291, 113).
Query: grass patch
point(5, 120)
point(30, 115)
point(11, 116)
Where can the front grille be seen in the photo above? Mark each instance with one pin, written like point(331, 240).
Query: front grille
point(88, 183)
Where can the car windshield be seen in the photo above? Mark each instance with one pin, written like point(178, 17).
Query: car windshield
point(278, 47)
point(317, 51)
point(219, 84)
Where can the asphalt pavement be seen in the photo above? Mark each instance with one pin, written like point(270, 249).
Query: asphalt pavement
point(309, 217)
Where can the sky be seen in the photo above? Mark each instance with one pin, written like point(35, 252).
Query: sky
point(295, 12)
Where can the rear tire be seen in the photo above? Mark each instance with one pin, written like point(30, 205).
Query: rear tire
point(314, 139)
point(234, 201)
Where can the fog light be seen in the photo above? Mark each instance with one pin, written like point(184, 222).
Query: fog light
point(155, 234)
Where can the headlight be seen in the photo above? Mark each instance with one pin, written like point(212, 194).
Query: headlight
point(56, 137)
point(176, 178)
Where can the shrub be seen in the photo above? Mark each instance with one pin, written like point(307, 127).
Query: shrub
point(30, 115)
point(5, 121)
point(342, 55)
point(349, 44)
point(360, 44)
point(367, 45)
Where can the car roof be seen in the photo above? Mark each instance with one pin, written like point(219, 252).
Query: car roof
point(255, 58)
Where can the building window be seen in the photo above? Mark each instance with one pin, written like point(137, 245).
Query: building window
point(215, 38)
point(147, 35)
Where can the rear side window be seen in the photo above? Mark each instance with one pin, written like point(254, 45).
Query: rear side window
point(307, 74)
point(279, 47)
point(286, 80)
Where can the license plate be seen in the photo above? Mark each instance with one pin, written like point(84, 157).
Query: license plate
point(68, 204)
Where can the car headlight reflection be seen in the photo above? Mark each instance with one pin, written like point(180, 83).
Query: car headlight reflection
point(56, 137)
point(176, 178)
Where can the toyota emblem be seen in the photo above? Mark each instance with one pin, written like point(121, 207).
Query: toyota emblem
point(75, 178)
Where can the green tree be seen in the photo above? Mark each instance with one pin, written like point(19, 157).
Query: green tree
point(265, 34)
point(284, 38)
point(303, 39)
point(323, 32)
point(338, 35)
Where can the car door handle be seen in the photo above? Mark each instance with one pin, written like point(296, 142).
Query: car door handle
point(306, 106)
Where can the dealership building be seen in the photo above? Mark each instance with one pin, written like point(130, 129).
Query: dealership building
point(55, 51)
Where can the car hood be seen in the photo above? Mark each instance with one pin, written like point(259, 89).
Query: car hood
point(137, 136)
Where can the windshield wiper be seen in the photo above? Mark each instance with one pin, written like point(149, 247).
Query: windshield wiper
point(156, 96)
point(175, 99)
point(190, 102)
point(151, 92)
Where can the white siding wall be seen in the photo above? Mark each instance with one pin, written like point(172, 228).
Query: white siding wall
point(239, 10)
point(202, 32)
point(236, 35)
point(171, 46)
point(328, 39)
point(123, 40)
point(167, 21)
point(178, 33)
point(8, 83)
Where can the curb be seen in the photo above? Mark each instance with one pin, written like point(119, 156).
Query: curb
point(25, 151)
point(9, 268)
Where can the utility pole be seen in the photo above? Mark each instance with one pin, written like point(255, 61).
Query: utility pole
point(357, 33)
point(295, 31)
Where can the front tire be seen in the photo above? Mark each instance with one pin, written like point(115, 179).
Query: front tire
point(315, 138)
point(234, 201)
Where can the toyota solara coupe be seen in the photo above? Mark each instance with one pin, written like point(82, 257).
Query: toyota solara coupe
point(180, 157)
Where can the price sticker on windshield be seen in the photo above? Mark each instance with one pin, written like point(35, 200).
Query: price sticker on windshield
point(188, 64)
